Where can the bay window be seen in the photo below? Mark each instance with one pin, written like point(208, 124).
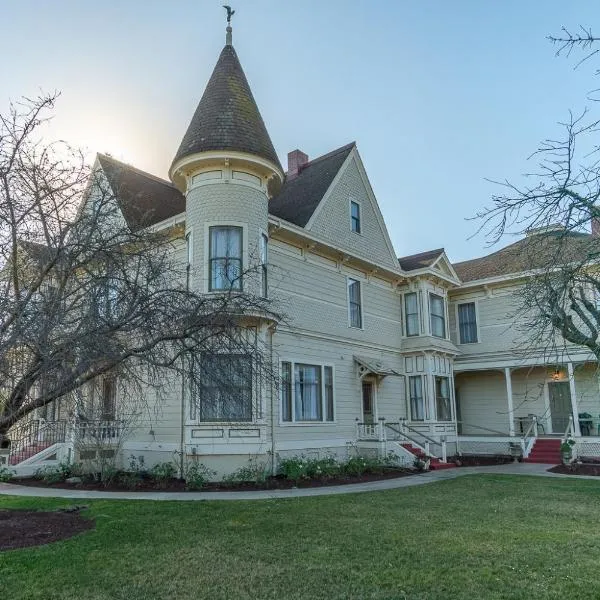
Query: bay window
point(411, 313)
point(438, 315)
point(442, 399)
point(417, 401)
point(224, 391)
point(307, 393)
point(225, 258)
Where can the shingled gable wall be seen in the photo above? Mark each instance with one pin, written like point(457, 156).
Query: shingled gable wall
point(331, 220)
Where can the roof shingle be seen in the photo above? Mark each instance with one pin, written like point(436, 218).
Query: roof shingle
point(227, 117)
point(420, 261)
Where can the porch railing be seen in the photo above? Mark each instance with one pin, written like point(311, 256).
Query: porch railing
point(370, 431)
point(98, 430)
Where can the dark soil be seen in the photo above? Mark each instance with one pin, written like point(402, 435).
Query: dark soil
point(178, 485)
point(480, 460)
point(591, 468)
point(25, 528)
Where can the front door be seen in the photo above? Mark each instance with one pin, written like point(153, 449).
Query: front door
point(559, 393)
point(367, 400)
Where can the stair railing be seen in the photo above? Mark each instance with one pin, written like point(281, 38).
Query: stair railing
point(401, 427)
point(529, 436)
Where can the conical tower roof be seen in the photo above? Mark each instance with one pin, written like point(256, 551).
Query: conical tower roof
point(227, 117)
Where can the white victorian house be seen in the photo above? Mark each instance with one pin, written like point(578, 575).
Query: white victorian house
point(376, 352)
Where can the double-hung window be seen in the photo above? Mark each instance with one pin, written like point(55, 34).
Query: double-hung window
point(417, 401)
point(355, 216)
point(411, 313)
point(438, 315)
point(306, 392)
point(224, 392)
point(225, 259)
point(354, 303)
point(467, 323)
point(442, 399)
point(109, 399)
point(264, 259)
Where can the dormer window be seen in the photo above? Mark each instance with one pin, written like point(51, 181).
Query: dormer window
point(355, 216)
point(225, 260)
point(438, 315)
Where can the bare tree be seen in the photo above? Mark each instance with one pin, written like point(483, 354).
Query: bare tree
point(83, 294)
point(559, 203)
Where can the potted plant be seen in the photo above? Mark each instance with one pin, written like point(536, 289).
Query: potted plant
point(566, 451)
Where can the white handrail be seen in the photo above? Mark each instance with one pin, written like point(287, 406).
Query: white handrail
point(569, 431)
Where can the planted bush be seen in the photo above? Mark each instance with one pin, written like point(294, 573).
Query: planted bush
point(163, 472)
point(197, 475)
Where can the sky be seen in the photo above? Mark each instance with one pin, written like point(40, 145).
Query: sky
point(441, 96)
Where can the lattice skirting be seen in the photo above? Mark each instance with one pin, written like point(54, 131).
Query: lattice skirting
point(591, 449)
point(469, 447)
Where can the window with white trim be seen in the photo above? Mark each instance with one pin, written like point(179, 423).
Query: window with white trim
point(442, 399)
point(438, 315)
point(417, 400)
point(225, 258)
point(355, 216)
point(354, 303)
point(108, 407)
point(264, 258)
point(467, 323)
point(223, 389)
point(307, 393)
point(411, 312)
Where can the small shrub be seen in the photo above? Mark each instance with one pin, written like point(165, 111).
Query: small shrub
point(108, 475)
point(322, 468)
point(197, 475)
point(163, 472)
point(357, 465)
point(255, 472)
point(294, 468)
point(56, 474)
point(6, 475)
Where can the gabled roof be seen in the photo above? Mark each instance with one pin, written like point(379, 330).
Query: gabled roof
point(143, 198)
point(537, 251)
point(300, 196)
point(421, 260)
point(227, 117)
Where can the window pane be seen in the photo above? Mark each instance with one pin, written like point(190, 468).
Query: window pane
point(307, 401)
point(329, 393)
point(225, 261)
point(226, 388)
point(442, 399)
point(411, 310)
point(286, 391)
point(438, 317)
point(467, 323)
point(355, 216)
point(264, 260)
point(416, 398)
point(109, 396)
point(354, 303)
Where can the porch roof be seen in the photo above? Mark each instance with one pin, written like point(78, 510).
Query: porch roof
point(372, 366)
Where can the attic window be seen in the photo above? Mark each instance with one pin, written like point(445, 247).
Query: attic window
point(355, 216)
point(206, 176)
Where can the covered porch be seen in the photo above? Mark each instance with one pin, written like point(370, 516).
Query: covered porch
point(497, 406)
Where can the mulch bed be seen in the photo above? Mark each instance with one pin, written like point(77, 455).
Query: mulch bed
point(480, 460)
point(577, 469)
point(25, 528)
point(178, 485)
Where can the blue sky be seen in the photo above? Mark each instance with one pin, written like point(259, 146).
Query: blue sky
point(439, 95)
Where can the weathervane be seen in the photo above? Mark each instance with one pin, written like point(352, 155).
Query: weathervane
point(230, 13)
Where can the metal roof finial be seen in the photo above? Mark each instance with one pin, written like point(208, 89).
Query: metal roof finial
point(230, 13)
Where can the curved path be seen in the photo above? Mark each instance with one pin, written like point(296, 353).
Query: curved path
point(9, 489)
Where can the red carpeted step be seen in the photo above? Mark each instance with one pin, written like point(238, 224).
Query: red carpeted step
point(545, 451)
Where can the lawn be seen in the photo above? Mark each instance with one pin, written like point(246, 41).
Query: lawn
point(480, 537)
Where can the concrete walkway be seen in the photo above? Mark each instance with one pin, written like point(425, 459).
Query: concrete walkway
point(9, 489)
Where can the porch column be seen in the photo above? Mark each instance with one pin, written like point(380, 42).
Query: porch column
point(574, 407)
point(509, 401)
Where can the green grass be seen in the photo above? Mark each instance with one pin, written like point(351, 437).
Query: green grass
point(480, 537)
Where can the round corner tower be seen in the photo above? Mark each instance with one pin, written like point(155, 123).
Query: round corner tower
point(226, 167)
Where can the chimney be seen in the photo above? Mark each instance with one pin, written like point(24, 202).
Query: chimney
point(596, 226)
point(296, 160)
